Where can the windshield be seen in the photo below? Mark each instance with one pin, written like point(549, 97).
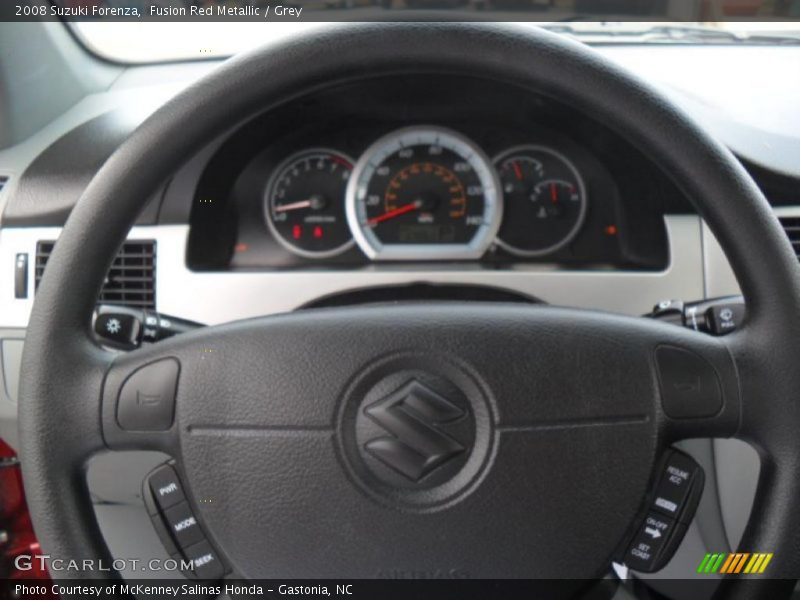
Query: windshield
point(162, 30)
point(156, 42)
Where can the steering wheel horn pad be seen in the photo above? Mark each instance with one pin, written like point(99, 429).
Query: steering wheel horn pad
point(559, 428)
point(540, 427)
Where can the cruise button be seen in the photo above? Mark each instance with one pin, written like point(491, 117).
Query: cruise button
point(675, 484)
point(644, 551)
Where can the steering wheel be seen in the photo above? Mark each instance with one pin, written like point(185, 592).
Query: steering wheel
point(561, 415)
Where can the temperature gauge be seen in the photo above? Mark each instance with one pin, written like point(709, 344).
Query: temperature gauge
point(544, 200)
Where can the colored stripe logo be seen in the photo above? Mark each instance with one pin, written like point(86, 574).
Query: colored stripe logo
point(734, 563)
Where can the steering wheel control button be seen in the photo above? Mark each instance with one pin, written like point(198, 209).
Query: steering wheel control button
point(183, 525)
point(680, 476)
point(177, 526)
point(205, 562)
point(690, 386)
point(166, 487)
point(645, 552)
point(147, 398)
point(672, 507)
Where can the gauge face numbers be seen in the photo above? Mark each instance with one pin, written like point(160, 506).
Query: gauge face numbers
point(423, 193)
point(304, 203)
point(544, 199)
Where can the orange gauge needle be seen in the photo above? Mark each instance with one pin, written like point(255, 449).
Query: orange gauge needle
point(401, 210)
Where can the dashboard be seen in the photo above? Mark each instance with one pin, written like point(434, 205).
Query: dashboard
point(423, 193)
point(378, 174)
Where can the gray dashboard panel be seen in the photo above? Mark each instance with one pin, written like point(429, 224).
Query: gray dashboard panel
point(55, 180)
point(11, 341)
point(55, 71)
point(220, 297)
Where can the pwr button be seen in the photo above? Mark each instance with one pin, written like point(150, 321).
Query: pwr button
point(166, 487)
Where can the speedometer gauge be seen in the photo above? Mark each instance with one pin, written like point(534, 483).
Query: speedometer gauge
point(424, 193)
point(544, 200)
point(304, 203)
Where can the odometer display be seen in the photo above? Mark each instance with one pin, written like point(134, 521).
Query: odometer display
point(423, 193)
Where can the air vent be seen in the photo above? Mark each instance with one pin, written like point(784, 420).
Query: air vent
point(791, 225)
point(131, 279)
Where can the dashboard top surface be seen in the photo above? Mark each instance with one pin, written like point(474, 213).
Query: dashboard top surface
point(740, 94)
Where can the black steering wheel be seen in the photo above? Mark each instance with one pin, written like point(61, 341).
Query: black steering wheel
point(562, 414)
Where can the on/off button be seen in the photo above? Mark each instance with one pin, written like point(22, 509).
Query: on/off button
point(166, 487)
point(654, 534)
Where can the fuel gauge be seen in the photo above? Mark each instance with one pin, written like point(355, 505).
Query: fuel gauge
point(544, 198)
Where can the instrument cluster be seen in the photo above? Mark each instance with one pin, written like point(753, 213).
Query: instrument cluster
point(426, 193)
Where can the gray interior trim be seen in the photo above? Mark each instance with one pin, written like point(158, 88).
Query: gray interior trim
point(719, 277)
point(51, 185)
point(11, 352)
point(43, 72)
point(738, 467)
point(10, 362)
point(213, 298)
point(132, 98)
point(737, 464)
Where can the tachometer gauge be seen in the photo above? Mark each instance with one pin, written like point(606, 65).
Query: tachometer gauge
point(544, 200)
point(424, 193)
point(304, 203)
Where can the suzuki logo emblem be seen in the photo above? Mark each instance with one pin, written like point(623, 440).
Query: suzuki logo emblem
point(416, 445)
